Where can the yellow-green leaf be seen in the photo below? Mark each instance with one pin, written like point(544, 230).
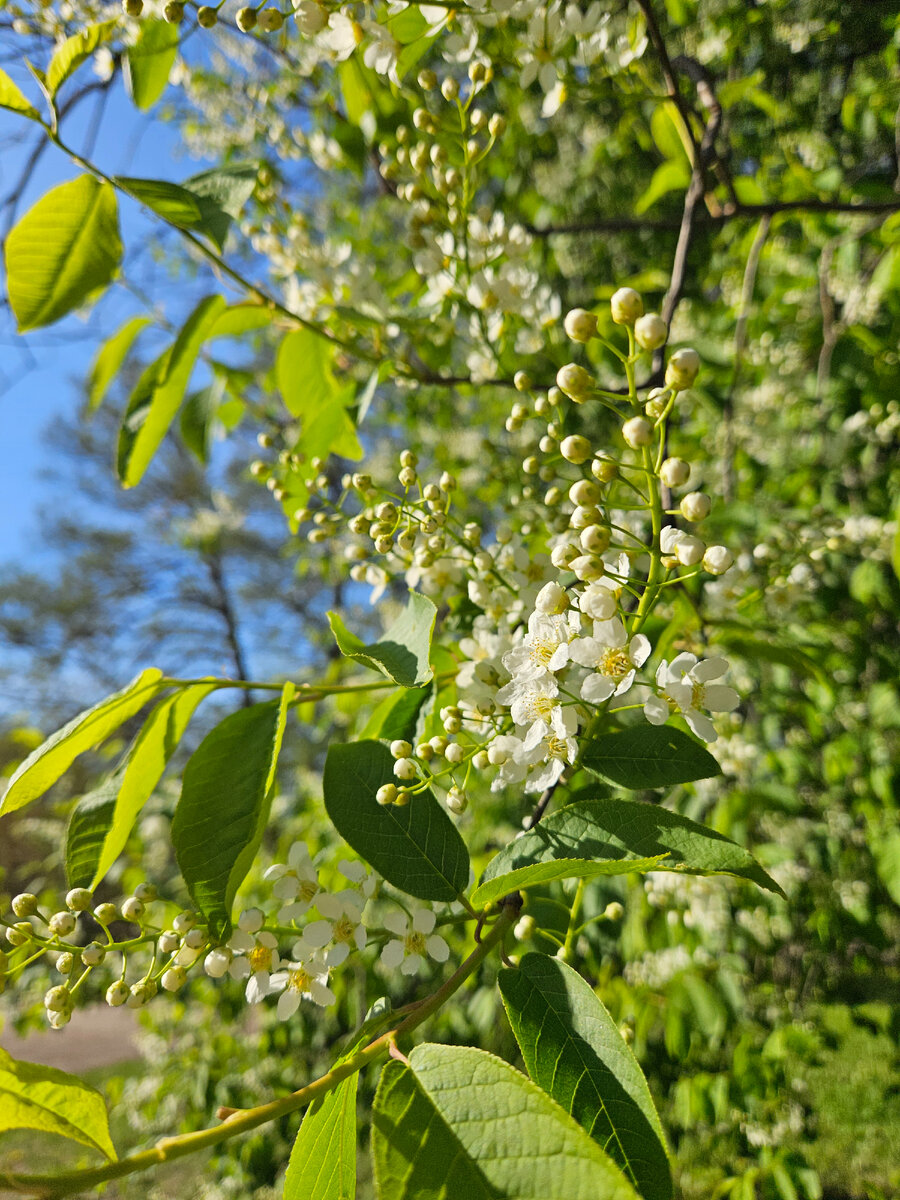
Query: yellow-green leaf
point(13, 99)
point(36, 1097)
point(149, 61)
point(109, 358)
point(64, 249)
point(44, 766)
point(73, 51)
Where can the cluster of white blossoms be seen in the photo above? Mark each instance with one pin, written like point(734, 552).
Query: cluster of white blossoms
point(288, 952)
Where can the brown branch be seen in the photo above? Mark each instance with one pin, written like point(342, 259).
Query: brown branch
point(669, 76)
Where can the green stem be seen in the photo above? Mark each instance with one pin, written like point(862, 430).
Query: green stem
point(171, 1148)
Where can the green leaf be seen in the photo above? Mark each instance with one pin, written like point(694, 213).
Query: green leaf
point(323, 1160)
point(458, 1122)
point(895, 544)
point(149, 61)
point(415, 847)
point(53, 758)
point(169, 200)
point(303, 370)
point(573, 1050)
point(69, 56)
point(241, 318)
point(756, 649)
point(672, 175)
point(197, 415)
point(221, 194)
point(397, 716)
point(225, 798)
point(101, 830)
point(637, 837)
point(159, 393)
point(64, 249)
point(13, 99)
point(649, 756)
point(90, 821)
point(33, 1096)
point(402, 654)
point(109, 359)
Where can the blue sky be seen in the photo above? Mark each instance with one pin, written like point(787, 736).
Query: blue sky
point(39, 372)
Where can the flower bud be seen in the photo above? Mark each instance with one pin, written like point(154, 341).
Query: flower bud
point(604, 469)
point(585, 515)
point(270, 20)
point(524, 928)
point(597, 602)
point(93, 955)
point(626, 305)
point(580, 325)
point(480, 760)
point(174, 978)
point(614, 911)
point(62, 924)
point(454, 753)
point(575, 449)
point(132, 8)
point(689, 550)
point(245, 19)
point(695, 506)
point(195, 939)
point(669, 538)
point(174, 13)
point(184, 921)
point(650, 331)
point(575, 381)
point(637, 432)
point(522, 381)
point(427, 80)
point(168, 942)
point(401, 749)
point(141, 992)
point(682, 369)
point(674, 472)
point(585, 491)
point(79, 899)
point(207, 17)
point(386, 794)
point(457, 801)
point(595, 539)
point(58, 999)
point(562, 555)
point(551, 599)
point(106, 913)
point(217, 963)
point(25, 904)
point(586, 567)
point(65, 963)
point(132, 909)
point(717, 559)
point(449, 88)
point(117, 993)
point(405, 768)
point(497, 125)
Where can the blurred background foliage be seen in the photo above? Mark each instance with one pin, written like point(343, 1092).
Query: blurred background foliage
point(768, 1030)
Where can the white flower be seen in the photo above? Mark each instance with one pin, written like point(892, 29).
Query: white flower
point(509, 754)
point(302, 981)
point(414, 940)
point(297, 882)
point(545, 648)
point(613, 658)
point(341, 924)
point(536, 703)
point(341, 37)
point(256, 957)
point(685, 687)
point(597, 602)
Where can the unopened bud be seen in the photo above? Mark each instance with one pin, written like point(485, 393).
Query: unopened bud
point(575, 449)
point(580, 325)
point(682, 369)
point(637, 432)
point(695, 506)
point(626, 305)
point(650, 331)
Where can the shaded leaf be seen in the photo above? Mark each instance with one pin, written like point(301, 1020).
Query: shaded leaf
point(403, 653)
point(90, 820)
point(415, 847)
point(649, 756)
point(323, 1161)
point(221, 194)
point(169, 200)
point(149, 61)
point(52, 758)
point(63, 249)
point(33, 1096)
point(397, 716)
point(159, 393)
point(225, 798)
point(459, 1122)
point(573, 1049)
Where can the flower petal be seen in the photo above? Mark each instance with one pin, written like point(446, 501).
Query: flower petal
point(424, 920)
point(392, 954)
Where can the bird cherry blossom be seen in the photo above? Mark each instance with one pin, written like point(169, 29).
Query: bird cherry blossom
point(306, 980)
point(685, 687)
point(612, 657)
point(414, 940)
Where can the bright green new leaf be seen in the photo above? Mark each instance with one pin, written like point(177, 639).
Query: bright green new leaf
point(649, 756)
point(65, 248)
point(331, 431)
point(493, 887)
point(109, 359)
point(622, 831)
point(238, 319)
point(402, 654)
point(12, 98)
point(304, 373)
point(221, 194)
point(33, 1096)
point(69, 56)
point(102, 830)
point(323, 1160)
point(149, 61)
point(225, 798)
point(159, 393)
point(52, 758)
point(415, 847)
point(672, 175)
point(573, 1049)
point(458, 1122)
